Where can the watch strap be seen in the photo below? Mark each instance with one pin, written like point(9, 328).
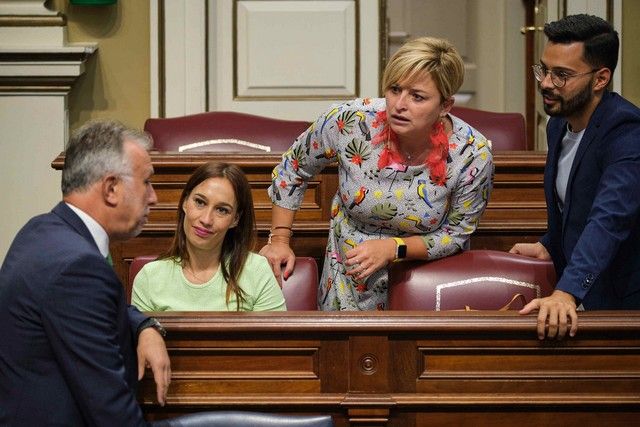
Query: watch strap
point(401, 248)
point(152, 322)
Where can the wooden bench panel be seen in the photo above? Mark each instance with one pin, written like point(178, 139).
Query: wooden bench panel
point(403, 368)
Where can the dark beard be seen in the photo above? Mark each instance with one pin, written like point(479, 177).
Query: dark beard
point(568, 107)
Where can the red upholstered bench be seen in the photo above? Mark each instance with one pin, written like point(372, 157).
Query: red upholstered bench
point(479, 279)
point(223, 131)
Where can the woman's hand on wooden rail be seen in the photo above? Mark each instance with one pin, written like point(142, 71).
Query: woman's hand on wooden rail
point(279, 254)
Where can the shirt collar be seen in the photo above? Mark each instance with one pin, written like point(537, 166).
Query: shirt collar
point(97, 232)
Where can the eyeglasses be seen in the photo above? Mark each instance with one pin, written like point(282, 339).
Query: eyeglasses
point(558, 78)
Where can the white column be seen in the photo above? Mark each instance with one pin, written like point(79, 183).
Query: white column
point(37, 69)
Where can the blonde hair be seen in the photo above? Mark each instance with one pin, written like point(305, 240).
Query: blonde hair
point(435, 56)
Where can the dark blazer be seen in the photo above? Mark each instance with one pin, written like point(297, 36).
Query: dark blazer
point(595, 241)
point(68, 350)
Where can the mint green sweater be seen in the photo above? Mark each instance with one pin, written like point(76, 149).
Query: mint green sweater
point(162, 286)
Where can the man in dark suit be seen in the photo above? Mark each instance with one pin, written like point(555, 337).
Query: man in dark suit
point(69, 340)
point(592, 178)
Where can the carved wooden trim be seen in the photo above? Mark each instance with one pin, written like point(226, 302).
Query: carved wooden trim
point(402, 368)
point(58, 20)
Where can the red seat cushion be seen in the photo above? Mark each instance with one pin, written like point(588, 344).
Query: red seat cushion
point(479, 279)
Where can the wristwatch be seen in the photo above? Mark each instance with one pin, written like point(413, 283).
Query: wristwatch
point(401, 248)
point(152, 322)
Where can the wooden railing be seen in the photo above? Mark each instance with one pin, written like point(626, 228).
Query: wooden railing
point(403, 368)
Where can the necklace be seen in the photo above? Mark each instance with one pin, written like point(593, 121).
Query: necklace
point(409, 157)
point(196, 278)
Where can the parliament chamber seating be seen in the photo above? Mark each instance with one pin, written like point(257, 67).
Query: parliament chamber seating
point(477, 279)
point(516, 211)
point(299, 290)
point(234, 132)
point(245, 419)
point(507, 131)
point(393, 368)
point(223, 132)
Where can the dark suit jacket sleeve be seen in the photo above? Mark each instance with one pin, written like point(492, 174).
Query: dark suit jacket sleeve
point(613, 214)
point(135, 319)
point(545, 241)
point(82, 317)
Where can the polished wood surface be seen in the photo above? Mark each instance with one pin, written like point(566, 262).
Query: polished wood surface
point(516, 211)
point(403, 368)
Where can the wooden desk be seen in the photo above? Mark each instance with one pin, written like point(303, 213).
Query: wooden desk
point(403, 368)
point(516, 211)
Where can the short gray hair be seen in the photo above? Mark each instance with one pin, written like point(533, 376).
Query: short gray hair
point(97, 149)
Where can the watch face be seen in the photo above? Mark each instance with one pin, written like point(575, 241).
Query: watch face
point(402, 251)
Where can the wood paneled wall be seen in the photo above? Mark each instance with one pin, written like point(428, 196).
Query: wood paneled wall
point(403, 368)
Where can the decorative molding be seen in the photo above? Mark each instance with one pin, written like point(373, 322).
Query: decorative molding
point(70, 53)
point(211, 142)
point(25, 8)
point(156, 58)
point(178, 36)
point(182, 62)
point(35, 69)
point(30, 23)
point(383, 41)
point(58, 20)
point(251, 77)
point(441, 287)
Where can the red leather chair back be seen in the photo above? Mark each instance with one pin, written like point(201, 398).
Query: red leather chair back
point(479, 279)
point(226, 131)
point(300, 289)
point(506, 131)
point(136, 265)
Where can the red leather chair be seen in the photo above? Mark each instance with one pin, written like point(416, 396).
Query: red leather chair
point(223, 131)
point(300, 289)
point(136, 265)
point(507, 131)
point(478, 279)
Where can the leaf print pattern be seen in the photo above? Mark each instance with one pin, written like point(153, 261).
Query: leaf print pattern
point(455, 217)
point(384, 211)
point(358, 151)
point(298, 158)
point(346, 121)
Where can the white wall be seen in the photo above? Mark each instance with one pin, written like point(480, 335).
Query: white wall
point(33, 128)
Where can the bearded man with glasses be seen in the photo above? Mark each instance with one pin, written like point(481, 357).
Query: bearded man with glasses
point(591, 181)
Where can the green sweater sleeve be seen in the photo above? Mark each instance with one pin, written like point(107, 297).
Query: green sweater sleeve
point(140, 294)
point(269, 296)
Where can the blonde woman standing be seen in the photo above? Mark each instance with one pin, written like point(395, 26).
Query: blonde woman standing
point(413, 179)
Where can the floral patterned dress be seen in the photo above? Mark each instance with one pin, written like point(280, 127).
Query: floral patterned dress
point(375, 202)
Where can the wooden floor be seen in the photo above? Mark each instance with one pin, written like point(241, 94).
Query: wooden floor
point(404, 368)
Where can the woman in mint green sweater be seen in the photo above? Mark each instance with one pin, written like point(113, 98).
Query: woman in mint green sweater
point(210, 266)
